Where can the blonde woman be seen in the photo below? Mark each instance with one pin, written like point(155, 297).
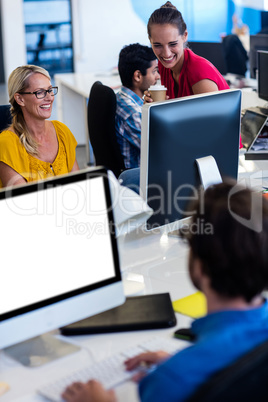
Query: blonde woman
point(34, 148)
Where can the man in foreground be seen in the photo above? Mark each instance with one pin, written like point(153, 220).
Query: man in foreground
point(228, 262)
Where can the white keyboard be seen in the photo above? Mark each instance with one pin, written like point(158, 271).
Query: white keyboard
point(111, 371)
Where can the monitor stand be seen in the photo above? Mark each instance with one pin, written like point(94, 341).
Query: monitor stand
point(209, 174)
point(208, 171)
point(40, 350)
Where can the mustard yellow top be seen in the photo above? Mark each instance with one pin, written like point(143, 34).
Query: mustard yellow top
point(13, 154)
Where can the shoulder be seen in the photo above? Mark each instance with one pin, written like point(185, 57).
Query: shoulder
point(198, 68)
point(126, 95)
point(128, 103)
point(193, 60)
point(63, 131)
point(12, 152)
point(60, 127)
point(7, 136)
point(10, 142)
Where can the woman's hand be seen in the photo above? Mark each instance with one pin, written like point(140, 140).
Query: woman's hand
point(92, 391)
point(144, 361)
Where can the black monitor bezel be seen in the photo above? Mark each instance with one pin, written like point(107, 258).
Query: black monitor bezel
point(261, 74)
point(257, 42)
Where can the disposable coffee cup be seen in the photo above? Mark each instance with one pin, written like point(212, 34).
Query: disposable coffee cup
point(158, 92)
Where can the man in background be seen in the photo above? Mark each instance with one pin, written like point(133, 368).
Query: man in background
point(138, 70)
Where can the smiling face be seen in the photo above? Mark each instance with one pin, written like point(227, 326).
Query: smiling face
point(31, 106)
point(152, 75)
point(168, 45)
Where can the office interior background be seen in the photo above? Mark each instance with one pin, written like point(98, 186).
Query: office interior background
point(82, 36)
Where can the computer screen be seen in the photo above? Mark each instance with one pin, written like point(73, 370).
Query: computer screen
point(257, 42)
point(174, 134)
point(263, 75)
point(212, 51)
point(59, 258)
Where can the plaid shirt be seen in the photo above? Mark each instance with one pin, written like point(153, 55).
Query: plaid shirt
point(128, 126)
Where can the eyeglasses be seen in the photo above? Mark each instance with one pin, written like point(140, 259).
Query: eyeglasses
point(42, 93)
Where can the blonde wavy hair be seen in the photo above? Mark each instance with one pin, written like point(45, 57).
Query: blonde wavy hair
point(18, 81)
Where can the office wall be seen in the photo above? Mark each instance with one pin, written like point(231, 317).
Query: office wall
point(2, 74)
point(13, 35)
point(101, 29)
point(255, 4)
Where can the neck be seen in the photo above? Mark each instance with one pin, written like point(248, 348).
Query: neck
point(216, 302)
point(37, 128)
point(137, 91)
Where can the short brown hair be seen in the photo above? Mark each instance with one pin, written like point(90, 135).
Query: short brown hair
point(234, 254)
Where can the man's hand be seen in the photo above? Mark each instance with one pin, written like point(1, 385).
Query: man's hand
point(92, 391)
point(144, 361)
point(147, 97)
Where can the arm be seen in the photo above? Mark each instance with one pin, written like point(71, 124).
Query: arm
point(143, 361)
point(92, 391)
point(204, 86)
point(9, 176)
point(75, 167)
point(200, 87)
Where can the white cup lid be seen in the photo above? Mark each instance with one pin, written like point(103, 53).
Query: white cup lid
point(157, 87)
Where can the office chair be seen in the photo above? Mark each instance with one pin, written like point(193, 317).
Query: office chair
point(244, 380)
point(235, 55)
point(5, 117)
point(101, 126)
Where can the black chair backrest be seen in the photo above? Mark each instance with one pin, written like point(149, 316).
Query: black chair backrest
point(101, 126)
point(235, 55)
point(244, 380)
point(5, 117)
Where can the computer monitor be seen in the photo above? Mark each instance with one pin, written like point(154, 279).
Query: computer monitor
point(212, 51)
point(263, 75)
point(175, 133)
point(257, 42)
point(59, 257)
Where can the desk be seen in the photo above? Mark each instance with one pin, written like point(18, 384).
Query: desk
point(250, 98)
point(72, 100)
point(157, 261)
